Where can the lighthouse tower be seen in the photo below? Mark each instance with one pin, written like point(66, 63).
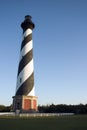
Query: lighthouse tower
point(25, 99)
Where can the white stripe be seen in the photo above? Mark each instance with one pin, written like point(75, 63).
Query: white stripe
point(27, 32)
point(32, 92)
point(25, 74)
point(26, 49)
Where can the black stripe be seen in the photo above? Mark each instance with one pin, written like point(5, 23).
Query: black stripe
point(26, 40)
point(26, 87)
point(27, 24)
point(25, 60)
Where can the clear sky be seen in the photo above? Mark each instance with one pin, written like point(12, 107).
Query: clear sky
point(60, 49)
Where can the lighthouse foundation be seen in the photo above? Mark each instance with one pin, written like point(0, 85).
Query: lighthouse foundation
point(25, 104)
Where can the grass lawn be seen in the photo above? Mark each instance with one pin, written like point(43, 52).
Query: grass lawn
point(78, 122)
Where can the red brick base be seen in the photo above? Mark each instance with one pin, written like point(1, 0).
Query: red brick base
point(25, 103)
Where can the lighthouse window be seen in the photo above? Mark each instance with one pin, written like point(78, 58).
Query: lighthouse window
point(20, 80)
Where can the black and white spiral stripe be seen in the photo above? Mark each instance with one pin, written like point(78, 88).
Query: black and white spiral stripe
point(25, 77)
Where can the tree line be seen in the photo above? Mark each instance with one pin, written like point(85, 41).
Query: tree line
point(4, 108)
point(60, 108)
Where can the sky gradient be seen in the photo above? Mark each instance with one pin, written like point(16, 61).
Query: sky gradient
point(60, 49)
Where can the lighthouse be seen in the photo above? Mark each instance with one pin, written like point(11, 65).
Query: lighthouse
point(25, 99)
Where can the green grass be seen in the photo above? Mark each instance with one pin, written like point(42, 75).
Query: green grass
point(78, 122)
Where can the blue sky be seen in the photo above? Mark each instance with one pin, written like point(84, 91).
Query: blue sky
point(60, 49)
